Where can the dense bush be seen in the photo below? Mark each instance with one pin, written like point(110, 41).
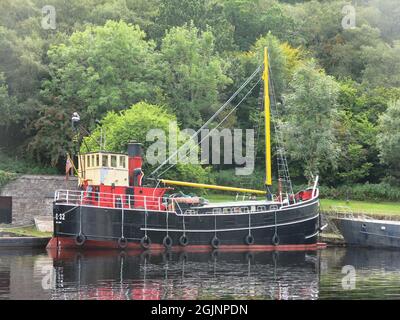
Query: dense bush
point(6, 177)
point(362, 192)
point(9, 164)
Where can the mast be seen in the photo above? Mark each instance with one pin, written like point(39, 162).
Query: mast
point(267, 119)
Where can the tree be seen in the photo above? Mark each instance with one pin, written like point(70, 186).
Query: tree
point(310, 114)
point(135, 124)
point(347, 58)
point(99, 69)
point(353, 163)
point(176, 13)
point(7, 103)
point(103, 68)
point(388, 140)
point(194, 74)
point(383, 66)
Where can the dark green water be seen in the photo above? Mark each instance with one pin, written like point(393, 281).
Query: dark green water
point(334, 273)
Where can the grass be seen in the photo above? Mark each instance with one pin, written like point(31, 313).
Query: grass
point(30, 231)
point(375, 208)
point(378, 208)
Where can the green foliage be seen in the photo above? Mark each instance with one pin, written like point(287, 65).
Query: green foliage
point(134, 124)
point(6, 177)
point(131, 124)
point(14, 164)
point(362, 192)
point(100, 69)
point(388, 140)
point(6, 103)
point(194, 74)
point(383, 66)
point(103, 68)
point(310, 114)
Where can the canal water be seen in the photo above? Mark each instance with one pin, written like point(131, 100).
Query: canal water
point(333, 273)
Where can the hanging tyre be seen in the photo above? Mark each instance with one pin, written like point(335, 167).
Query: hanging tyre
point(249, 239)
point(122, 243)
point(183, 240)
point(167, 242)
point(80, 239)
point(215, 242)
point(145, 242)
point(275, 240)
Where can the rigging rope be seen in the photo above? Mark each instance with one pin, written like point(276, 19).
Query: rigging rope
point(213, 129)
point(209, 120)
point(281, 154)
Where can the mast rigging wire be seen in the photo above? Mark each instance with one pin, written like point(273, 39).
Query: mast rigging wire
point(209, 120)
point(212, 130)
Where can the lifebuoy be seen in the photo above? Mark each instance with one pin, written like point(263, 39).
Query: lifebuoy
point(215, 242)
point(275, 240)
point(145, 242)
point(122, 243)
point(80, 239)
point(249, 239)
point(167, 242)
point(183, 240)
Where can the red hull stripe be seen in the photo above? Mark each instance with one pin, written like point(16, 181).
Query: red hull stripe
point(69, 243)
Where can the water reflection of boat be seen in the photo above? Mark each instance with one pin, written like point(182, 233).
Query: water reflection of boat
point(115, 275)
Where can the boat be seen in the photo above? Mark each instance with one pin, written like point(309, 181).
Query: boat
point(367, 232)
point(117, 208)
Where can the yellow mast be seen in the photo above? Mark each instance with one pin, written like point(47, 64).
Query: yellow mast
point(267, 114)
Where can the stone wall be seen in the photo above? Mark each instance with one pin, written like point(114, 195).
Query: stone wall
point(32, 195)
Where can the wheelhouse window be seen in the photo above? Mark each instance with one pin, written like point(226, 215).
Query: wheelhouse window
point(122, 161)
point(114, 161)
point(93, 160)
point(88, 161)
point(97, 160)
point(104, 161)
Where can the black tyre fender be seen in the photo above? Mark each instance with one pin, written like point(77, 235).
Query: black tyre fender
point(183, 240)
point(80, 239)
point(275, 240)
point(167, 242)
point(215, 242)
point(145, 242)
point(122, 243)
point(249, 239)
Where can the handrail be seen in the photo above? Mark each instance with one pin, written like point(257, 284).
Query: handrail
point(113, 200)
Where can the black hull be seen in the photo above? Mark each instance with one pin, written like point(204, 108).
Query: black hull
point(370, 233)
point(103, 227)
